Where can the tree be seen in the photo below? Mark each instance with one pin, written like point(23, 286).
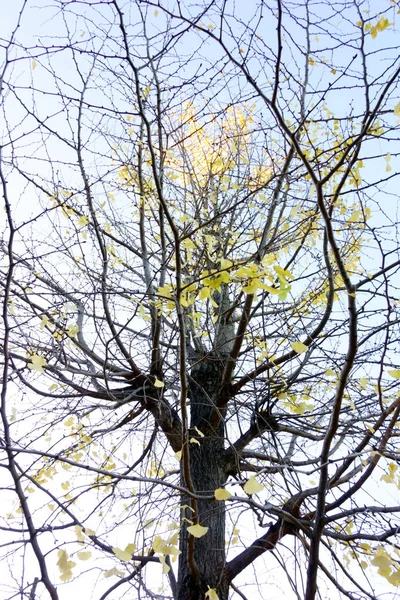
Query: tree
point(200, 298)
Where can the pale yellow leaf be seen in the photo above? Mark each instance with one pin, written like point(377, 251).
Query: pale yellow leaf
point(44, 322)
point(222, 494)
point(79, 533)
point(330, 373)
point(72, 329)
point(299, 347)
point(394, 373)
point(143, 313)
point(125, 554)
point(84, 555)
point(201, 434)
point(37, 363)
point(252, 486)
point(113, 572)
point(157, 383)
point(397, 110)
point(197, 530)
point(166, 568)
point(211, 594)
point(83, 220)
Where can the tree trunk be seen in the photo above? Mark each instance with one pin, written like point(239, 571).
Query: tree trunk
point(208, 473)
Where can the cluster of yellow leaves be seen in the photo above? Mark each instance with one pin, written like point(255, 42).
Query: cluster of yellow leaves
point(155, 469)
point(71, 329)
point(213, 147)
point(388, 567)
point(379, 26)
point(37, 362)
point(251, 277)
point(65, 565)
point(79, 531)
point(165, 548)
point(390, 476)
point(126, 554)
point(44, 474)
point(298, 407)
point(114, 572)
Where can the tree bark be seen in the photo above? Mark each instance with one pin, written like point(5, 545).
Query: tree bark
point(208, 472)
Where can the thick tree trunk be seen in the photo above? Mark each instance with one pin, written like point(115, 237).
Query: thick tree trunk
point(208, 472)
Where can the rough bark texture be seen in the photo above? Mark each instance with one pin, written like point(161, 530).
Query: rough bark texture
point(208, 471)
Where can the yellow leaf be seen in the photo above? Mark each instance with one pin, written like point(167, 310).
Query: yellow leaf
point(299, 408)
point(397, 110)
point(211, 594)
point(112, 572)
point(72, 329)
point(34, 64)
point(65, 565)
point(84, 555)
point(299, 347)
point(204, 293)
point(83, 220)
point(201, 434)
point(79, 533)
point(53, 387)
point(222, 494)
point(382, 24)
point(89, 531)
point(178, 455)
point(283, 272)
point(44, 322)
point(157, 383)
point(194, 441)
point(143, 313)
point(330, 373)
point(197, 530)
point(383, 561)
point(166, 548)
point(252, 486)
point(125, 554)
point(37, 363)
point(389, 478)
point(394, 373)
